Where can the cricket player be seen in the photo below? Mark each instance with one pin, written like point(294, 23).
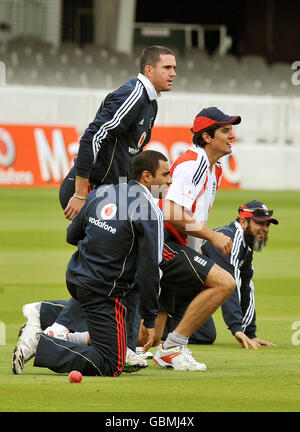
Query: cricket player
point(100, 273)
point(249, 233)
point(196, 175)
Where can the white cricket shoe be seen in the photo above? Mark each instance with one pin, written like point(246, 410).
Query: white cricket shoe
point(32, 313)
point(146, 356)
point(133, 362)
point(25, 349)
point(177, 358)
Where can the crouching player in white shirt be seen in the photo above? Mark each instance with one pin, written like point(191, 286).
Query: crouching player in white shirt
point(196, 175)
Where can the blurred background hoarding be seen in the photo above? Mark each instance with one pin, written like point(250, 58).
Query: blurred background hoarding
point(59, 58)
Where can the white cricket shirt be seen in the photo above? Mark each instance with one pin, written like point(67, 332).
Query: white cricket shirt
point(194, 187)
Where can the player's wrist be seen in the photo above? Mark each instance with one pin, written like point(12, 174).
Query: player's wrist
point(80, 197)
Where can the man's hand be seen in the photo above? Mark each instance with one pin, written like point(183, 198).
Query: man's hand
point(180, 218)
point(75, 204)
point(150, 334)
point(222, 242)
point(245, 341)
point(73, 208)
point(261, 342)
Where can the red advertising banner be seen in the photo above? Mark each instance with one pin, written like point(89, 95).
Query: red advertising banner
point(36, 156)
point(41, 156)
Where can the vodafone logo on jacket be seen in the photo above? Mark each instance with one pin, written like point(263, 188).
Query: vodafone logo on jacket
point(108, 211)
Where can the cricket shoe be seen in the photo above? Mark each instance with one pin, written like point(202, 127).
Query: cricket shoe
point(133, 363)
point(31, 311)
point(25, 349)
point(146, 356)
point(177, 358)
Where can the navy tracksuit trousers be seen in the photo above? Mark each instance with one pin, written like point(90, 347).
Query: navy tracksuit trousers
point(106, 323)
point(71, 315)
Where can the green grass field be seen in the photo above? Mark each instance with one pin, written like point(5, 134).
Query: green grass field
point(33, 258)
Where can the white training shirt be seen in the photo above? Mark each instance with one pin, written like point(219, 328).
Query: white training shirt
point(194, 187)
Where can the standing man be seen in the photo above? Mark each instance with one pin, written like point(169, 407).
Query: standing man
point(101, 272)
point(121, 128)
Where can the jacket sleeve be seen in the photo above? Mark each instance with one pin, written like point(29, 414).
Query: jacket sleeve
point(232, 313)
point(248, 299)
point(239, 310)
point(148, 273)
point(75, 231)
point(231, 309)
point(115, 115)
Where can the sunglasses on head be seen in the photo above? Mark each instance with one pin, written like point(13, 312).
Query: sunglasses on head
point(258, 211)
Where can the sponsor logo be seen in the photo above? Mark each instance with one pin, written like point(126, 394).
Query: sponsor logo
point(200, 261)
point(7, 148)
point(103, 225)
point(133, 150)
point(108, 211)
point(142, 139)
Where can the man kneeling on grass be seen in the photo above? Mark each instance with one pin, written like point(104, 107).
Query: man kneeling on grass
point(119, 238)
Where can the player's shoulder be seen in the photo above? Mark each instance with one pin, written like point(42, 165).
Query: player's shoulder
point(228, 230)
point(133, 85)
point(189, 160)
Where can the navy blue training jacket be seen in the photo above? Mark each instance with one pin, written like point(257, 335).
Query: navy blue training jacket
point(119, 238)
point(121, 128)
point(239, 310)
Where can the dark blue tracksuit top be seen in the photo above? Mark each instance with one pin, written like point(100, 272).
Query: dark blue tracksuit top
point(119, 238)
point(121, 128)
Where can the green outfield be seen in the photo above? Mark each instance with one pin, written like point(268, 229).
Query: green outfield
point(33, 258)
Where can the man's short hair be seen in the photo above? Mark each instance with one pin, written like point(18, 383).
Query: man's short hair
point(197, 137)
point(147, 160)
point(151, 56)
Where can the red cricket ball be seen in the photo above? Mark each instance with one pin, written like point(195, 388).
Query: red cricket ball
point(75, 377)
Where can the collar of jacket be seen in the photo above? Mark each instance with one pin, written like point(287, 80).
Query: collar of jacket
point(148, 86)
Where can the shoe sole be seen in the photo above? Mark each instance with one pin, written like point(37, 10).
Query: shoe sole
point(128, 368)
point(169, 366)
point(164, 366)
point(18, 357)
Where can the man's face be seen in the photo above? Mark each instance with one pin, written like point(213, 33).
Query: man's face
point(163, 73)
point(161, 181)
point(256, 234)
point(221, 144)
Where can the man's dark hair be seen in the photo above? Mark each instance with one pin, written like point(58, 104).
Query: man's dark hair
point(151, 56)
point(147, 160)
point(197, 137)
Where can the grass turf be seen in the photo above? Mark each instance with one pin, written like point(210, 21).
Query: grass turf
point(33, 258)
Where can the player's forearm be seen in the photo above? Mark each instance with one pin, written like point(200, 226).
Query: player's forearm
point(181, 220)
point(81, 186)
point(85, 157)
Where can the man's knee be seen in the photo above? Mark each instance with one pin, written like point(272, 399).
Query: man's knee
point(221, 279)
point(228, 284)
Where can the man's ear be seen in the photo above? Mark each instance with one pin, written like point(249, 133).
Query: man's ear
point(206, 137)
point(146, 176)
point(243, 223)
point(148, 69)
